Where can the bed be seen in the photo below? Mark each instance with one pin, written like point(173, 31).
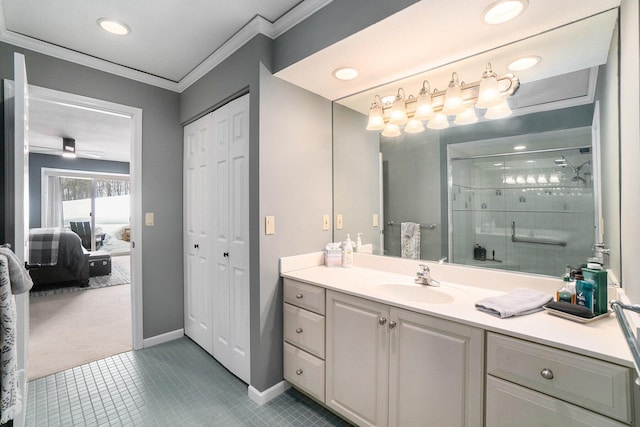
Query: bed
point(56, 256)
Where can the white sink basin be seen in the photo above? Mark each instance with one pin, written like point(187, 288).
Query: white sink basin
point(415, 293)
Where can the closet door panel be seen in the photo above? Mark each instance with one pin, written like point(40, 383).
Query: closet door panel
point(198, 301)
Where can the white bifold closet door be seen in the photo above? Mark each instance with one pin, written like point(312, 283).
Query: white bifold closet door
point(217, 235)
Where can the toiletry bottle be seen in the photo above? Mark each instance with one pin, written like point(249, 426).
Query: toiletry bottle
point(584, 293)
point(347, 252)
point(359, 243)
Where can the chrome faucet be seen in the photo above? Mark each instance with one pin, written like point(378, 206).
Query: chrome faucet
point(423, 277)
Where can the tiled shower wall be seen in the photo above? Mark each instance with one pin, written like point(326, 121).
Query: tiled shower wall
point(484, 203)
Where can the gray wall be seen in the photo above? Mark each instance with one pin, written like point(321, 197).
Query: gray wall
point(161, 172)
point(355, 176)
point(337, 20)
point(38, 161)
point(295, 187)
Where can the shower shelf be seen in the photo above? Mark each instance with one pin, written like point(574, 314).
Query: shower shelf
point(538, 240)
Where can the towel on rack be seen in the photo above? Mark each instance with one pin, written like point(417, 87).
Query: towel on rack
point(518, 302)
point(19, 278)
point(10, 399)
point(410, 240)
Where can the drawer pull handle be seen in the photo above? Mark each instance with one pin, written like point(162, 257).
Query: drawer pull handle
point(299, 330)
point(382, 321)
point(299, 372)
point(299, 296)
point(392, 324)
point(547, 374)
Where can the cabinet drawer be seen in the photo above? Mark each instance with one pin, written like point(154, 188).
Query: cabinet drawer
point(304, 295)
point(593, 384)
point(511, 405)
point(304, 371)
point(304, 329)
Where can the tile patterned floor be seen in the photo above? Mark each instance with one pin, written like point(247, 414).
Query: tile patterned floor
point(172, 384)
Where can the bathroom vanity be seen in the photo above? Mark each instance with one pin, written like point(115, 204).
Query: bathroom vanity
point(376, 348)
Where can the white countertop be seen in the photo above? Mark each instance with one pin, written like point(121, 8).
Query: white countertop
point(602, 339)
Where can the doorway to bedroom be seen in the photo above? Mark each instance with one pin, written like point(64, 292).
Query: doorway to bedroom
point(94, 196)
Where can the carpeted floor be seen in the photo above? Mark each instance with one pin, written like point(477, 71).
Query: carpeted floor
point(69, 329)
point(120, 275)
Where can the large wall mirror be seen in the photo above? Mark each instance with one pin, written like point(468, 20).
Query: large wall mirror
point(472, 192)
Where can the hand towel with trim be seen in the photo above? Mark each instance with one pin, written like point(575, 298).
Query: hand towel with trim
point(410, 240)
point(518, 302)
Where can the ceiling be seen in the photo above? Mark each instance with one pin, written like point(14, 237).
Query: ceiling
point(431, 34)
point(424, 36)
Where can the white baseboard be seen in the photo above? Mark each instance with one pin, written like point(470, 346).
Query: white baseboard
point(262, 397)
point(166, 337)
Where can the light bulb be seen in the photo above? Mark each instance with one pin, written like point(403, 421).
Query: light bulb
point(376, 121)
point(498, 111)
point(398, 111)
point(488, 93)
point(467, 117)
point(391, 130)
point(453, 103)
point(414, 126)
point(438, 122)
point(424, 108)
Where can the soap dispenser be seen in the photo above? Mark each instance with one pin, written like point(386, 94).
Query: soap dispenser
point(347, 252)
point(359, 243)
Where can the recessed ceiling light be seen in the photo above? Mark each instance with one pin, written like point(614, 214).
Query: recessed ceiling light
point(531, 161)
point(524, 63)
point(497, 164)
point(345, 73)
point(520, 147)
point(504, 10)
point(114, 27)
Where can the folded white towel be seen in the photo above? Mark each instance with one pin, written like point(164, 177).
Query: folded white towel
point(519, 302)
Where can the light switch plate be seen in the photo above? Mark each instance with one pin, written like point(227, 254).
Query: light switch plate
point(375, 220)
point(149, 219)
point(339, 222)
point(269, 225)
point(325, 222)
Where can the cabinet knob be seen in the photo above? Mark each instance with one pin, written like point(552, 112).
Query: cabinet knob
point(392, 324)
point(382, 321)
point(299, 372)
point(299, 296)
point(547, 374)
point(299, 330)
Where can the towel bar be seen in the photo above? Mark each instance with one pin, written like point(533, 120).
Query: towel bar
point(632, 341)
point(426, 227)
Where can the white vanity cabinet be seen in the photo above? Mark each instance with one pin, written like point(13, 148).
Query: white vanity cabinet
point(304, 335)
point(529, 385)
point(390, 366)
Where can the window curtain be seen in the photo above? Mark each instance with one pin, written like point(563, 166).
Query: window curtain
point(53, 216)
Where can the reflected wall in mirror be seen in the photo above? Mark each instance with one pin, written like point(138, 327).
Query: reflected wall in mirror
point(533, 210)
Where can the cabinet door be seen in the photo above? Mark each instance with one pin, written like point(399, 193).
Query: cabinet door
point(511, 405)
point(435, 373)
point(357, 359)
point(197, 298)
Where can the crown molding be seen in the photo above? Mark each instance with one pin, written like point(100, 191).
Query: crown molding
point(297, 15)
point(258, 25)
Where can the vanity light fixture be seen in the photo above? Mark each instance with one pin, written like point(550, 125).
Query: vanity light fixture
point(114, 27)
point(524, 63)
point(504, 11)
point(542, 179)
point(459, 99)
point(345, 73)
point(69, 148)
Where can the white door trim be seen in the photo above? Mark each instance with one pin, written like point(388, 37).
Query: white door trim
point(135, 172)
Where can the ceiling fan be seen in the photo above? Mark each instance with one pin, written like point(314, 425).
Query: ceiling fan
point(67, 149)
